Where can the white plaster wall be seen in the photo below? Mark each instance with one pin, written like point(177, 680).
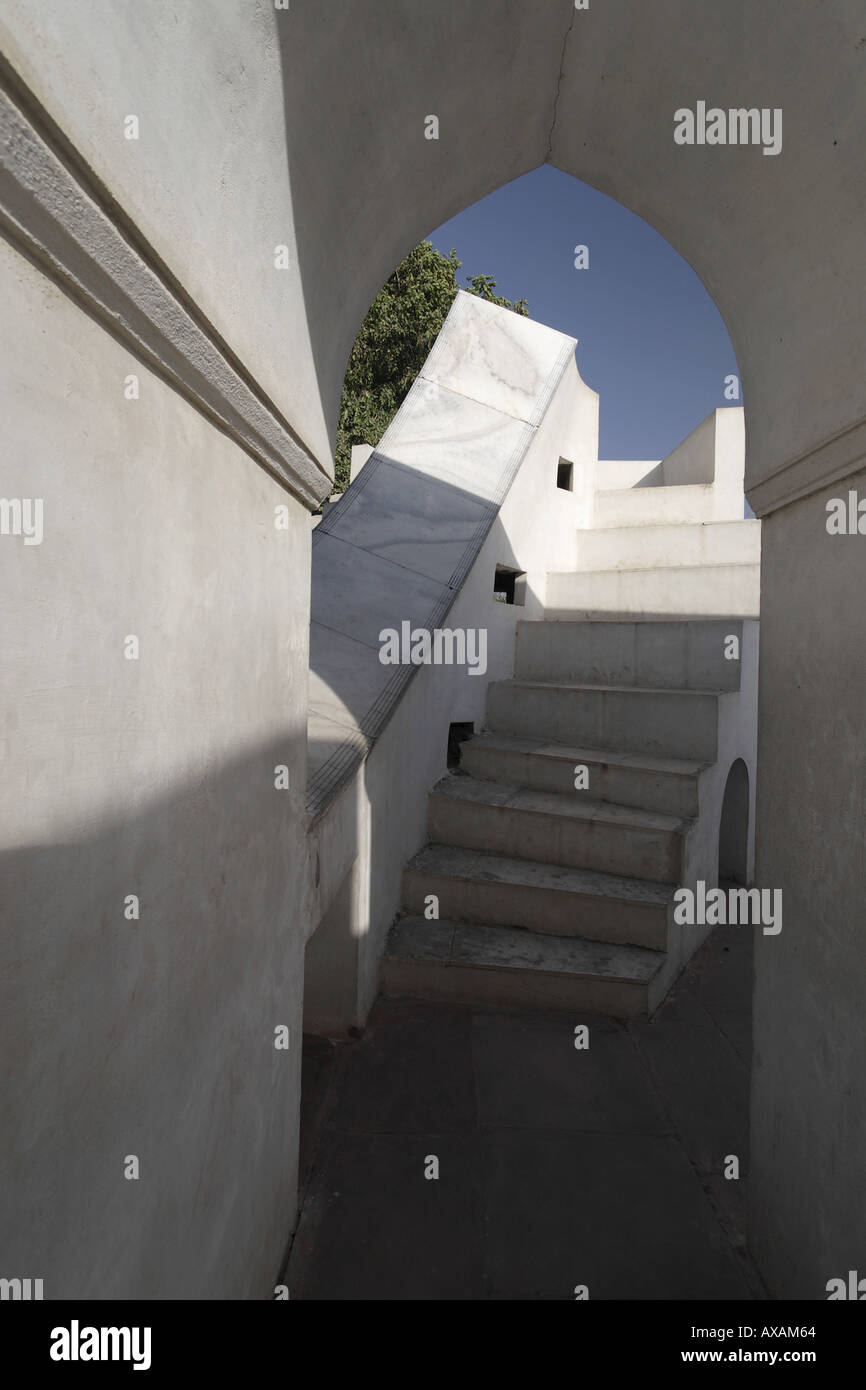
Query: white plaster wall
point(694, 503)
point(808, 1219)
point(712, 455)
point(331, 957)
point(360, 454)
point(731, 456)
point(794, 300)
point(694, 460)
point(737, 738)
point(207, 181)
point(540, 519)
point(156, 778)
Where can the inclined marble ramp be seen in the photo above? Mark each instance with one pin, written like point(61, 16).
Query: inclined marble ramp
point(404, 535)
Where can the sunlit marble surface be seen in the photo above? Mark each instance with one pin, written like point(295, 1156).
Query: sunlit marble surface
point(416, 511)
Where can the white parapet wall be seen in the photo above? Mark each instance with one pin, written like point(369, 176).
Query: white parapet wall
point(360, 455)
point(713, 454)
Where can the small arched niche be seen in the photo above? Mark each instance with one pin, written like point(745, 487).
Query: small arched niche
point(734, 826)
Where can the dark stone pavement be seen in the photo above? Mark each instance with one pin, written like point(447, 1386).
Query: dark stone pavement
point(557, 1167)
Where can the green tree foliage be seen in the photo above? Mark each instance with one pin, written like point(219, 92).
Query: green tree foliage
point(393, 342)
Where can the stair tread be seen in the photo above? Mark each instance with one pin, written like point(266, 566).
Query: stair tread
point(646, 762)
point(611, 689)
point(569, 805)
point(513, 948)
point(453, 861)
point(747, 521)
point(663, 620)
point(655, 569)
point(672, 620)
point(664, 488)
point(621, 616)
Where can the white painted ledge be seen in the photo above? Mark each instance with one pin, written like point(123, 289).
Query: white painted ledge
point(54, 210)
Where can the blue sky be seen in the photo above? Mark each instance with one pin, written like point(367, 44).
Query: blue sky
point(652, 342)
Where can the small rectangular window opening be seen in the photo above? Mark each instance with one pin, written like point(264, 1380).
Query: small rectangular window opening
point(457, 734)
point(565, 475)
point(509, 586)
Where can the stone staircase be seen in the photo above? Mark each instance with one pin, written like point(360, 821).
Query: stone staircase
point(660, 570)
point(556, 846)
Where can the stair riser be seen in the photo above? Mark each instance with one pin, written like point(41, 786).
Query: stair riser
point(663, 506)
point(651, 547)
point(625, 786)
point(664, 723)
point(718, 590)
point(514, 989)
point(550, 911)
point(632, 851)
point(673, 656)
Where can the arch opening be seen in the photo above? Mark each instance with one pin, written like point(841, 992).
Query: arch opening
point(734, 827)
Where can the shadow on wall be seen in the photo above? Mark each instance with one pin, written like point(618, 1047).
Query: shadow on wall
point(404, 574)
point(154, 1036)
point(331, 957)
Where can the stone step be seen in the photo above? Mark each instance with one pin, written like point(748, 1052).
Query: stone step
point(571, 829)
point(629, 779)
point(476, 886)
point(666, 723)
point(683, 504)
point(695, 591)
point(669, 546)
point(512, 968)
point(674, 655)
